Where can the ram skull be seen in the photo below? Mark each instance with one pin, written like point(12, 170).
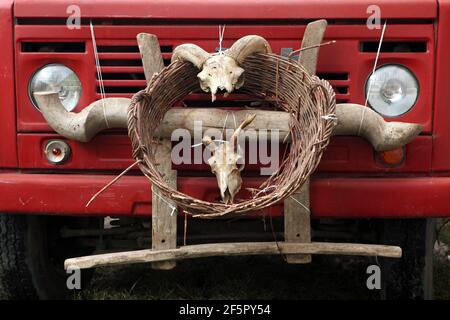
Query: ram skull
point(221, 71)
point(224, 163)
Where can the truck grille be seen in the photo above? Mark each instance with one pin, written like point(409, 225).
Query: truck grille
point(121, 67)
point(123, 74)
point(346, 65)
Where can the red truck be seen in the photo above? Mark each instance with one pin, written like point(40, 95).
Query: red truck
point(356, 194)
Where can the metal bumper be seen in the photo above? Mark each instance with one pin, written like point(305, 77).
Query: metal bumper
point(331, 197)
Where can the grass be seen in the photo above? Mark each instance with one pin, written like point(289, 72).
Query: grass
point(248, 278)
point(232, 278)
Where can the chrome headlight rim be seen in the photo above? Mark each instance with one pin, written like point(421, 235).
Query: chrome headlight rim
point(409, 72)
point(54, 64)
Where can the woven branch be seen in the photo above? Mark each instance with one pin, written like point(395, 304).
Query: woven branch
point(268, 77)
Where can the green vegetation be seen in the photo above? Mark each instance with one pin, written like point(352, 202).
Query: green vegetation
point(248, 278)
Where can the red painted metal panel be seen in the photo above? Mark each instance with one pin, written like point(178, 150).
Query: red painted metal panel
point(330, 197)
point(348, 155)
point(441, 144)
point(8, 149)
point(105, 152)
point(229, 9)
point(353, 155)
point(109, 152)
point(333, 59)
point(396, 195)
point(383, 197)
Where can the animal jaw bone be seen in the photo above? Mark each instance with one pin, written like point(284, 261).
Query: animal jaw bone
point(221, 71)
point(224, 163)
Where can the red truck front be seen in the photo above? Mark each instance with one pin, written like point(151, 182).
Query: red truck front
point(47, 179)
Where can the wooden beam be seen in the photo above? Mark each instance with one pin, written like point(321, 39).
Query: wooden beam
point(233, 249)
point(164, 212)
point(214, 119)
point(381, 134)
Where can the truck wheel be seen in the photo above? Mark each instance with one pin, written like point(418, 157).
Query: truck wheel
point(32, 256)
point(410, 277)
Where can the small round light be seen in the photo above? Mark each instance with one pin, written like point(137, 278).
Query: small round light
point(393, 157)
point(56, 78)
point(57, 151)
point(392, 90)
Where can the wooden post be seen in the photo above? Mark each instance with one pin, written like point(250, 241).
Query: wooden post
point(313, 36)
point(150, 54)
point(164, 212)
point(297, 222)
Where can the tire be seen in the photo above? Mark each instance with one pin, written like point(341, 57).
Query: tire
point(31, 257)
point(410, 277)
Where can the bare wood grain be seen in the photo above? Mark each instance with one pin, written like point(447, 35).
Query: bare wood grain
point(150, 54)
point(297, 222)
point(313, 36)
point(164, 213)
point(233, 249)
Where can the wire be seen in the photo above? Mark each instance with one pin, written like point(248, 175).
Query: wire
point(221, 34)
point(99, 72)
point(373, 71)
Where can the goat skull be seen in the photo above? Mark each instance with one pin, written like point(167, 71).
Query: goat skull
point(224, 163)
point(221, 71)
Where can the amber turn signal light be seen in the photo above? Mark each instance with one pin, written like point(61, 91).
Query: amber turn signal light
point(393, 157)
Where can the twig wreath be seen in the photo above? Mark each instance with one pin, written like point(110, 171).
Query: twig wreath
point(309, 100)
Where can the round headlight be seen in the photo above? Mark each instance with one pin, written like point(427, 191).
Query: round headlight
point(392, 90)
point(57, 78)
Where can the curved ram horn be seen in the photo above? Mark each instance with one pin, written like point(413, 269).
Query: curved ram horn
point(384, 136)
point(192, 53)
point(247, 46)
point(82, 126)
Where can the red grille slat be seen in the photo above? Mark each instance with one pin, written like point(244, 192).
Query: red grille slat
point(122, 69)
point(118, 55)
point(119, 83)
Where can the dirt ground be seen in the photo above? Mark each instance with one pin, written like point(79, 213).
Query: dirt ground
point(249, 278)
